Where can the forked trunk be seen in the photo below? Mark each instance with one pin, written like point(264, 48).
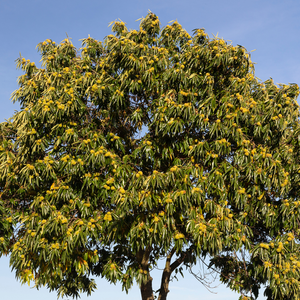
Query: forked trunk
point(169, 268)
point(146, 287)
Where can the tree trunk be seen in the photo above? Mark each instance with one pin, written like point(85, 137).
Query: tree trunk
point(164, 288)
point(146, 290)
point(146, 286)
point(165, 279)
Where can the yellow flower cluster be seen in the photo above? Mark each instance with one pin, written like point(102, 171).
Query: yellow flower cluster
point(94, 88)
point(108, 217)
point(179, 236)
point(241, 191)
point(263, 245)
point(33, 131)
point(69, 231)
point(290, 236)
point(55, 246)
point(114, 137)
point(122, 191)
point(110, 181)
point(202, 227)
point(9, 219)
point(244, 110)
point(70, 131)
point(280, 247)
point(246, 152)
point(108, 187)
point(174, 169)
point(138, 174)
point(155, 219)
point(30, 167)
point(54, 187)
point(148, 143)
point(286, 180)
point(267, 264)
point(183, 93)
point(65, 158)
point(119, 93)
point(60, 106)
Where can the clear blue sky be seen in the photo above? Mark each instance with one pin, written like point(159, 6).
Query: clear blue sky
point(270, 26)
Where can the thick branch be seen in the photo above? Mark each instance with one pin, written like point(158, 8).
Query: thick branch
point(178, 262)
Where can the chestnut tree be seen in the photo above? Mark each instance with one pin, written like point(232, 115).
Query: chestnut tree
point(151, 144)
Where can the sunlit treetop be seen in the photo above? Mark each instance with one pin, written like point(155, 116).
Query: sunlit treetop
point(153, 143)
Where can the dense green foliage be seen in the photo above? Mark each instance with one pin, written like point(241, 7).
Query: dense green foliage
point(216, 174)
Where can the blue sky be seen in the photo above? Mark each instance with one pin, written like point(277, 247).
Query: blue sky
point(269, 26)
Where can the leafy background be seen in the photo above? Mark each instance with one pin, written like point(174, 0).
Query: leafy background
point(270, 26)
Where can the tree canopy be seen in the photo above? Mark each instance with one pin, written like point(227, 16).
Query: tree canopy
point(151, 144)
